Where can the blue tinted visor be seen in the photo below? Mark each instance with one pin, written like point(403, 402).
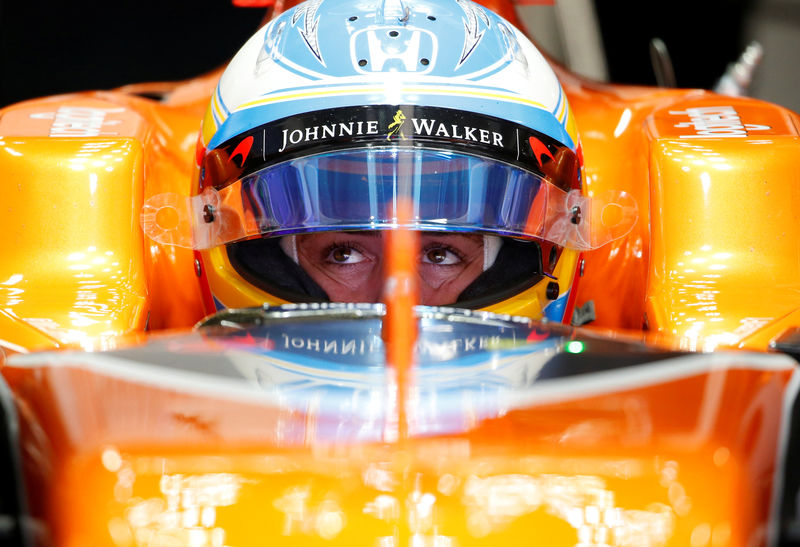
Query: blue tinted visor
point(359, 188)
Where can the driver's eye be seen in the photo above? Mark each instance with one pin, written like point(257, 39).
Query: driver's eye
point(441, 256)
point(345, 255)
point(341, 255)
point(437, 256)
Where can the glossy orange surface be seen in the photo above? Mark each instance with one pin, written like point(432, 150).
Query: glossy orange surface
point(717, 211)
point(72, 267)
point(83, 165)
point(620, 465)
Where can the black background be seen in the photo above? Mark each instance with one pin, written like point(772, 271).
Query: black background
point(54, 47)
point(74, 45)
point(702, 37)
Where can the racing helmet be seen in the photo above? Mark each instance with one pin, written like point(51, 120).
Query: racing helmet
point(335, 108)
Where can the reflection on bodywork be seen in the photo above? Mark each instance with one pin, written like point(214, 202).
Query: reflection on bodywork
point(403, 504)
point(185, 513)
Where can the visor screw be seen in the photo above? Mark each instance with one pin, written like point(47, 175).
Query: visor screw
point(576, 215)
point(208, 213)
point(198, 268)
point(552, 290)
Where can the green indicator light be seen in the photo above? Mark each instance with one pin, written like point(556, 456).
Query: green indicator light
point(575, 346)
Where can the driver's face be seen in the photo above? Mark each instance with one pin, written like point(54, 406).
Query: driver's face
point(349, 265)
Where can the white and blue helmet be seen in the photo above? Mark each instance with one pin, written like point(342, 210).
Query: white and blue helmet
point(326, 54)
point(335, 108)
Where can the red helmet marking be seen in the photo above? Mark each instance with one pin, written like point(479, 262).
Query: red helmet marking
point(539, 149)
point(242, 149)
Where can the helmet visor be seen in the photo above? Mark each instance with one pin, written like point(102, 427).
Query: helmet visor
point(359, 188)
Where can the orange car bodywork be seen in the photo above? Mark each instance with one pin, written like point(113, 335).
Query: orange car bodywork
point(685, 457)
point(687, 460)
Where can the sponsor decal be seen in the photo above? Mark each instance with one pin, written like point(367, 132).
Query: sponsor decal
point(420, 126)
point(374, 126)
point(295, 137)
point(715, 122)
point(397, 125)
point(409, 50)
point(424, 126)
point(242, 150)
point(539, 150)
point(80, 121)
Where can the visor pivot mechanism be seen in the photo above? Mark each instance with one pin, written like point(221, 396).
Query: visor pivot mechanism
point(576, 215)
point(552, 290)
point(208, 214)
